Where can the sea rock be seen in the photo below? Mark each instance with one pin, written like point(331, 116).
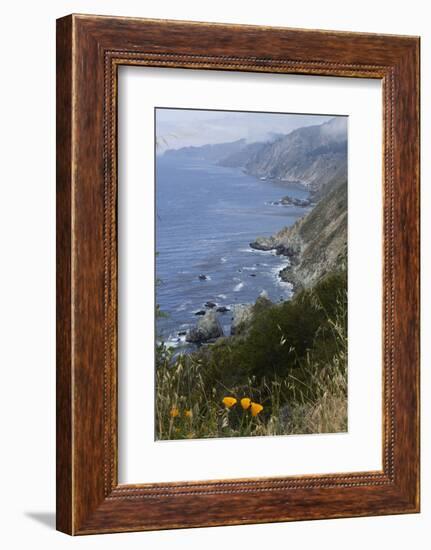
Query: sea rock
point(241, 318)
point(182, 333)
point(207, 328)
point(263, 243)
point(210, 305)
point(222, 309)
point(271, 243)
point(203, 277)
point(288, 200)
point(200, 312)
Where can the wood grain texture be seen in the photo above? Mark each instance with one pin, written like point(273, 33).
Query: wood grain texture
point(90, 49)
point(64, 497)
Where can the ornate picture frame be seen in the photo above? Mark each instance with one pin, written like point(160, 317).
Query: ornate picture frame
point(89, 51)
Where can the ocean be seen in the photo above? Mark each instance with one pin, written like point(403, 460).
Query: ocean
point(206, 216)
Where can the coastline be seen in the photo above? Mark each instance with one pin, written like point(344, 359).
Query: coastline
point(225, 310)
point(315, 245)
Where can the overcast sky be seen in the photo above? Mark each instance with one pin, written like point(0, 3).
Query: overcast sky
point(177, 128)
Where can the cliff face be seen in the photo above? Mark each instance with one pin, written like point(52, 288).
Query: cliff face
point(313, 156)
point(317, 243)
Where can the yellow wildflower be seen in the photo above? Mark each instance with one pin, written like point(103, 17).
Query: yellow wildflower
point(256, 409)
point(188, 414)
point(174, 412)
point(229, 401)
point(245, 403)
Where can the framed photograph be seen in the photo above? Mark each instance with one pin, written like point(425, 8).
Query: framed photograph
point(237, 274)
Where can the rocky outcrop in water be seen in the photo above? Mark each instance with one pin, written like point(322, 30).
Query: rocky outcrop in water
point(264, 243)
point(207, 328)
point(292, 201)
point(272, 243)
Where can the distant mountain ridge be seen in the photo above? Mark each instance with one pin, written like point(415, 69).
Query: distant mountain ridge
point(313, 156)
point(211, 152)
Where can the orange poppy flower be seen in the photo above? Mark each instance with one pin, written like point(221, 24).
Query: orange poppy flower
point(245, 403)
point(229, 402)
point(256, 409)
point(174, 412)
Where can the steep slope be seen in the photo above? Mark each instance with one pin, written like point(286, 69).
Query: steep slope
point(312, 156)
point(316, 244)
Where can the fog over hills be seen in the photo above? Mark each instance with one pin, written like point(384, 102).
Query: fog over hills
point(312, 156)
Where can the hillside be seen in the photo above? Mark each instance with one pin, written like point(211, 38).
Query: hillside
point(317, 243)
point(312, 156)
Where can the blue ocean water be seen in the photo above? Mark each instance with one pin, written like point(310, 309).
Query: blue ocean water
point(206, 216)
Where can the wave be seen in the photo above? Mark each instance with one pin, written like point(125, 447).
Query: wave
point(286, 286)
point(183, 306)
point(255, 251)
point(175, 341)
point(238, 287)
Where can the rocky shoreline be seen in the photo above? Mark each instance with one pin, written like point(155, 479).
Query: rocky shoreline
point(208, 328)
point(287, 200)
point(316, 244)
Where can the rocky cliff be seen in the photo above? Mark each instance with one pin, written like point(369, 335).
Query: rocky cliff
point(317, 243)
point(312, 156)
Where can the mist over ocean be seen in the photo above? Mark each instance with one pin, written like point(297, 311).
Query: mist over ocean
point(206, 216)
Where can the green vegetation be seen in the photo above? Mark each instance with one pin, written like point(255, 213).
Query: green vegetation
point(291, 361)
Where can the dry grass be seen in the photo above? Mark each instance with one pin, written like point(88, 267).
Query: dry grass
point(185, 409)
